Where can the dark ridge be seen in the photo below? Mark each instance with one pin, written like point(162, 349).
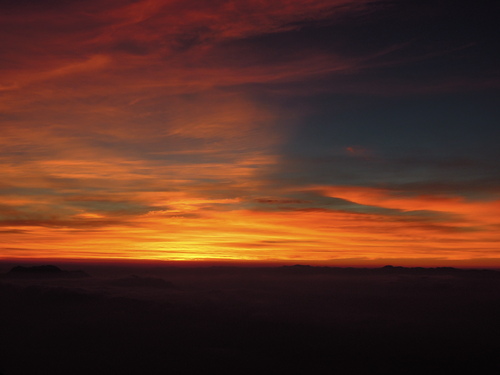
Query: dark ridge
point(45, 271)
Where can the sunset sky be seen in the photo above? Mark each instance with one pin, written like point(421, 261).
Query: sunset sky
point(309, 131)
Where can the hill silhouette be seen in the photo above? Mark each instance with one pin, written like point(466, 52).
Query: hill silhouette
point(44, 271)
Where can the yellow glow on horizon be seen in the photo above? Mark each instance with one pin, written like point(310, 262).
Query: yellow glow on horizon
point(315, 235)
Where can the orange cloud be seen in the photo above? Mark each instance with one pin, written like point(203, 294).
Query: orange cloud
point(182, 226)
point(129, 131)
point(168, 45)
point(468, 211)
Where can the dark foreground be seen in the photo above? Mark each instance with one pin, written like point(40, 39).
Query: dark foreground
point(291, 320)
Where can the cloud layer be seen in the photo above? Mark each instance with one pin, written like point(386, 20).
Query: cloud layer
point(304, 129)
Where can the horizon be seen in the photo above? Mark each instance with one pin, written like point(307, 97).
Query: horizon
point(71, 264)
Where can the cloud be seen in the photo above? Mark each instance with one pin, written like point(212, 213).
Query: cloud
point(163, 129)
point(281, 201)
point(483, 210)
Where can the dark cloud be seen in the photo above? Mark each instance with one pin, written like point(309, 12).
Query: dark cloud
point(13, 231)
point(61, 223)
point(36, 6)
point(110, 206)
point(281, 201)
point(133, 47)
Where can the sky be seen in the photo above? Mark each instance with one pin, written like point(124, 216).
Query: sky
point(305, 131)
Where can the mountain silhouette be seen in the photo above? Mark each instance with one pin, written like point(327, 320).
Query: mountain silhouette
point(44, 271)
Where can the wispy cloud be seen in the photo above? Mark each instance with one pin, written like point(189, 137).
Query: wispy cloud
point(167, 129)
